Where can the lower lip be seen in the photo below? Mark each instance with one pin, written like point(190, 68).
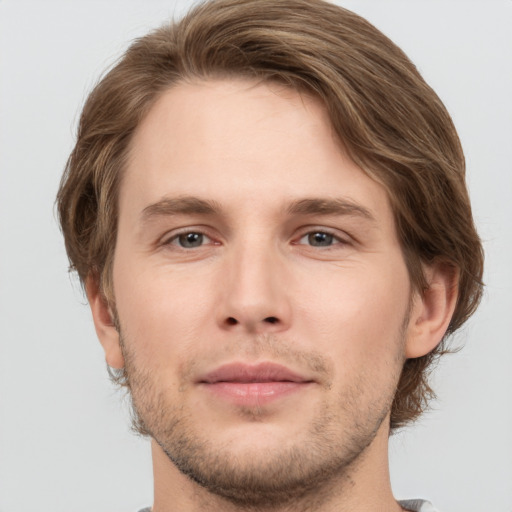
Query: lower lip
point(255, 393)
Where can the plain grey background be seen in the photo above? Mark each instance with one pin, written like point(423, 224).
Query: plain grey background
point(65, 442)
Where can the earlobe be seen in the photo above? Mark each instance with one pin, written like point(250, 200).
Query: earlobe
point(103, 322)
point(432, 311)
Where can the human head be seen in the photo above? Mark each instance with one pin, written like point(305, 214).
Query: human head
point(388, 119)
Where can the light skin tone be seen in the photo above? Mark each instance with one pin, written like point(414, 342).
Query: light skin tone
point(264, 305)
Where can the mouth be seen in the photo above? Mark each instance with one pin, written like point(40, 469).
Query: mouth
point(253, 385)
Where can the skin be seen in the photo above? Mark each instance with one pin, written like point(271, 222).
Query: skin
point(270, 274)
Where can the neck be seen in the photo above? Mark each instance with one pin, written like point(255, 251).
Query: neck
point(364, 485)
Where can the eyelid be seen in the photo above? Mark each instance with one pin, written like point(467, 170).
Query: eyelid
point(171, 236)
point(340, 236)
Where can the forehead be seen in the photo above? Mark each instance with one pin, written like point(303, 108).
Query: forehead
point(238, 141)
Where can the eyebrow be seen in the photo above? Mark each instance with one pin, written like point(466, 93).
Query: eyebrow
point(190, 205)
point(179, 205)
point(335, 206)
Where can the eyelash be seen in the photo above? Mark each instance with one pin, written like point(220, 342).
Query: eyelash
point(176, 237)
point(336, 240)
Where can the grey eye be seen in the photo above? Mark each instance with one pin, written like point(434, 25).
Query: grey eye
point(320, 239)
point(190, 240)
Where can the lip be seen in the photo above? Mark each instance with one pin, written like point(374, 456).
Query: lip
point(253, 384)
point(252, 373)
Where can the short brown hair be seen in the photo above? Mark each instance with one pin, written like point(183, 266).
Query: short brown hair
point(390, 121)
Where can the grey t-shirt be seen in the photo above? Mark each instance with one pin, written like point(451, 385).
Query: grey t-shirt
point(411, 505)
point(418, 506)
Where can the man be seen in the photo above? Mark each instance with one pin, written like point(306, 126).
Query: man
point(267, 208)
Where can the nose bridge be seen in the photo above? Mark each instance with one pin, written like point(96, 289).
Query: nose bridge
point(255, 298)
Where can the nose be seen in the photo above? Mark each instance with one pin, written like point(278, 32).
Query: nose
point(254, 293)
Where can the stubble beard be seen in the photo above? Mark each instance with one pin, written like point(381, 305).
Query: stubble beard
point(335, 442)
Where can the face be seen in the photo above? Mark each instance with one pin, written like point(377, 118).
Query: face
point(260, 288)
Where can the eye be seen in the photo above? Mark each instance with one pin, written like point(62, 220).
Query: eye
point(320, 239)
point(189, 240)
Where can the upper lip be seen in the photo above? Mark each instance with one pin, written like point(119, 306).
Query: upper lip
point(246, 373)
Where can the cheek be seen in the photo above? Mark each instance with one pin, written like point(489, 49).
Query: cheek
point(357, 314)
point(162, 311)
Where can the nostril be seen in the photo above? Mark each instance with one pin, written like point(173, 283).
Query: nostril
point(268, 320)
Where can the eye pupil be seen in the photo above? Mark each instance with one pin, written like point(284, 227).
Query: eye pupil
point(320, 239)
point(189, 240)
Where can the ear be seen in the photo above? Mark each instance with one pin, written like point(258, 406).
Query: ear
point(103, 322)
point(432, 310)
